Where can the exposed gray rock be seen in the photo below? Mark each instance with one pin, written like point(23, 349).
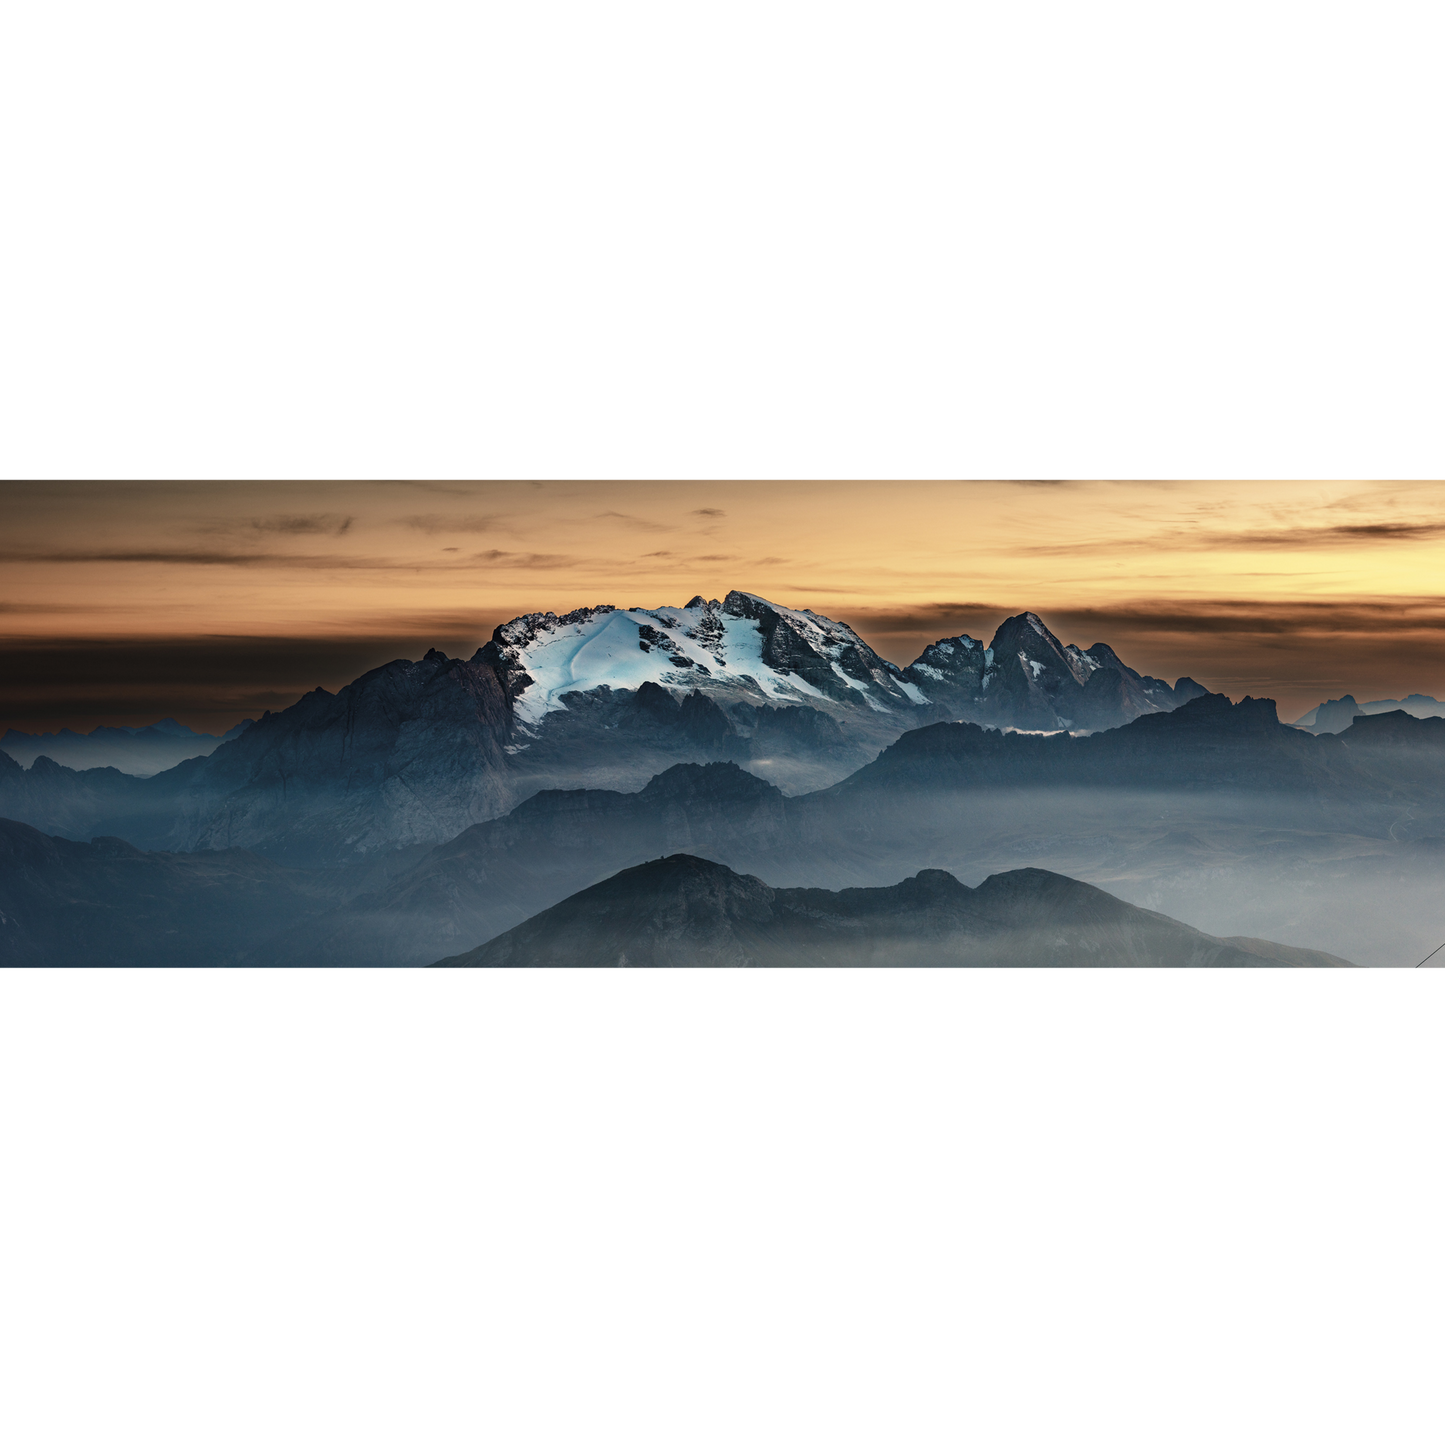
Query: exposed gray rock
point(824, 653)
point(1027, 679)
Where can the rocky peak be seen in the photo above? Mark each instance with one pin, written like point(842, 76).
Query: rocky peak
point(1026, 640)
point(930, 886)
point(1032, 681)
point(522, 630)
point(1028, 679)
point(1138, 694)
point(950, 667)
point(711, 781)
point(829, 656)
point(1102, 655)
point(1337, 714)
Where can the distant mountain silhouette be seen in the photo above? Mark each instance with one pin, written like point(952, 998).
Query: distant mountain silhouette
point(142, 752)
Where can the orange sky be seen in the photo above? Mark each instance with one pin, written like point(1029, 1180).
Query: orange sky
point(1296, 590)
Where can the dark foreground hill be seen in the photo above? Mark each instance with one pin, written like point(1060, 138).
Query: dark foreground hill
point(686, 912)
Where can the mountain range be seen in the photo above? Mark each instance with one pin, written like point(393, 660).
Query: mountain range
point(413, 752)
point(142, 751)
point(1338, 713)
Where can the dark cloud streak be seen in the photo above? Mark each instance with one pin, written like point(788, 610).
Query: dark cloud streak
point(1199, 540)
point(209, 683)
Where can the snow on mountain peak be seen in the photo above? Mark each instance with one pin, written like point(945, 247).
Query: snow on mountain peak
point(745, 644)
point(750, 649)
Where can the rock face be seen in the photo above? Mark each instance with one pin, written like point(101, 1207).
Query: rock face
point(828, 656)
point(1027, 679)
point(951, 670)
point(412, 752)
point(686, 912)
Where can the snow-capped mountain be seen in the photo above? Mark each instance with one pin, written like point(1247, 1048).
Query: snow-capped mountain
point(744, 648)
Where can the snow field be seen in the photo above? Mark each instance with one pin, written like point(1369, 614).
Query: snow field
point(605, 651)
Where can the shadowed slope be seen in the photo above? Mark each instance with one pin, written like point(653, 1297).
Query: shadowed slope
point(107, 904)
point(498, 873)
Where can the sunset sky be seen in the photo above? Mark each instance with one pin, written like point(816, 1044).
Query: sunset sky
point(124, 602)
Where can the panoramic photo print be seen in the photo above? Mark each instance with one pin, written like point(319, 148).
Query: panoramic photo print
point(678, 724)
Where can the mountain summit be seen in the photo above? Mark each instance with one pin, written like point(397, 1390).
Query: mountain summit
point(1027, 679)
point(746, 648)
